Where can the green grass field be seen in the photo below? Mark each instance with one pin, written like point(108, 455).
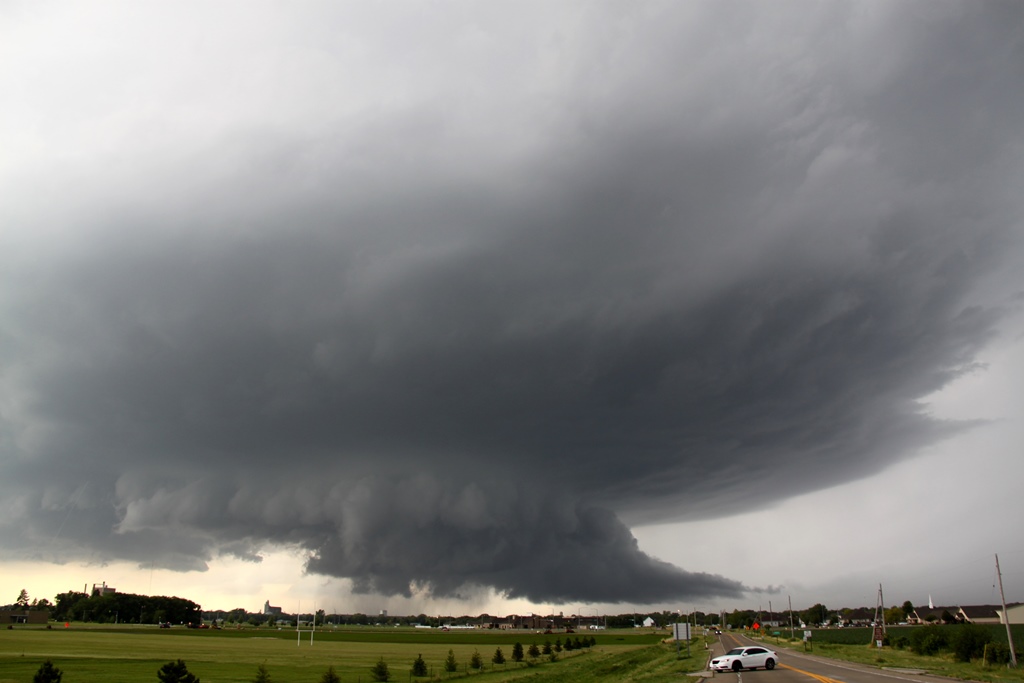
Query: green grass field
point(92, 654)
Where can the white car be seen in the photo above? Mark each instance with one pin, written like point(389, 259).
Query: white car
point(751, 657)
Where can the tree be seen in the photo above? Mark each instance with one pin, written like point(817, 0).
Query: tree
point(476, 661)
point(517, 652)
point(419, 667)
point(47, 673)
point(330, 676)
point(176, 672)
point(262, 675)
point(818, 614)
point(379, 671)
point(450, 665)
point(893, 615)
point(22, 601)
point(42, 605)
point(908, 609)
point(499, 657)
point(534, 651)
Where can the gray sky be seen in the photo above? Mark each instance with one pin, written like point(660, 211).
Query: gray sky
point(546, 303)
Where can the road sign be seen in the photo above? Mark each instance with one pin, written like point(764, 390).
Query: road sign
point(681, 631)
point(756, 626)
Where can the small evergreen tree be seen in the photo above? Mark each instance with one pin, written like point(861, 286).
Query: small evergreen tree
point(450, 665)
point(330, 676)
point(176, 672)
point(499, 656)
point(419, 667)
point(262, 675)
point(379, 671)
point(534, 651)
point(47, 673)
point(558, 644)
point(476, 661)
point(547, 647)
point(517, 652)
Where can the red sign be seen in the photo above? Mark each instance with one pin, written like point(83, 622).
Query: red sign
point(756, 625)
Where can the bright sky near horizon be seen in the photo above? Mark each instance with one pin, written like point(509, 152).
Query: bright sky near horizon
point(508, 307)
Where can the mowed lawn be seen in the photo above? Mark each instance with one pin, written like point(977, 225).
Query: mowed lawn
point(94, 655)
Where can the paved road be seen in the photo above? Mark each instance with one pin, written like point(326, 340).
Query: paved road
point(798, 667)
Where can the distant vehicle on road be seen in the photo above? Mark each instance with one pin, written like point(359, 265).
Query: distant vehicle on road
point(752, 657)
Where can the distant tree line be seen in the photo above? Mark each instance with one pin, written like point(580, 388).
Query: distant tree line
point(23, 603)
point(125, 608)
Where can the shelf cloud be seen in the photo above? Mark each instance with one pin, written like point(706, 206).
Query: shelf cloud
point(454, 300)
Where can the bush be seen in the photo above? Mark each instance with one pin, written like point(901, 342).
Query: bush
point(176, 672)
point(928, 640)
point(47, 673)
point(997, 653)
point(968, 642)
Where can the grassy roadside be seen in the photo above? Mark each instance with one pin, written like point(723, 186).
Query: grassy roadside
point(892, 658)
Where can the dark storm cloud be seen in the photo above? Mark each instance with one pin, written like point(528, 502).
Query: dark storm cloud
point(465, 336)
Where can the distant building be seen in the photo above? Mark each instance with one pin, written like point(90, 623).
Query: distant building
point(1015, 612)
point(270, 609)
point(978, 614)
point(102, 589)
point(23, 616)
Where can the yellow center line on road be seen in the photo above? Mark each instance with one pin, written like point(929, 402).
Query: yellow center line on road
point(818, 677)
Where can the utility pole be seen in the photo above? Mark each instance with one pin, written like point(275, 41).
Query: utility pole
point(1006, 615)
point(881, 601)
point(792, 633)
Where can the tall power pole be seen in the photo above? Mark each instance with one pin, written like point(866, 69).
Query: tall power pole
point(791, 631)
point(1006, 615)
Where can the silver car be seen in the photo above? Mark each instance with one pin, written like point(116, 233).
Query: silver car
point(751, 657)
